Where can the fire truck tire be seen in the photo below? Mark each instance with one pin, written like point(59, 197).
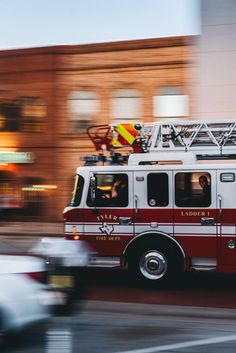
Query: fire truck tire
point(155, 263)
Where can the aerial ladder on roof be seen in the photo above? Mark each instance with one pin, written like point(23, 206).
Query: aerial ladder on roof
point(194, 136)
point(207, 140)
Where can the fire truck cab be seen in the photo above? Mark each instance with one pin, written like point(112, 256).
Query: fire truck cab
point(170, 208)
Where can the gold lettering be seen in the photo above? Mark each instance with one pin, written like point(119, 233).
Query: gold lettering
point(114, 238)
point(193, 213)
point(101, 238)
point(107, 217)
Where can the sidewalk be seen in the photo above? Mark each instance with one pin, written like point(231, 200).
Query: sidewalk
point(31, 228)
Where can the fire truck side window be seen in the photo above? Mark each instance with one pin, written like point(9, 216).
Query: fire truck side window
point(157, 186)
point(77, 192)
point(111, 190)
point(193, 189)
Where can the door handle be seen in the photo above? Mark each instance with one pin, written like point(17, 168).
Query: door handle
point(220, 205)
point(207, 221)
point(125, 220)
point(136, 204)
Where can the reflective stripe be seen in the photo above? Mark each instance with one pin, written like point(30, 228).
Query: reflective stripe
point(179, 229)
point(126, 135)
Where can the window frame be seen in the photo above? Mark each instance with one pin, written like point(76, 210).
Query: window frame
point(195, 197)
point(163, 97)
point(112, 203)
point(118, 99)
point(77, 192)
point(82, 117)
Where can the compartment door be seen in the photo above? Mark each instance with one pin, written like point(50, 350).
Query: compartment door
point(226, 195)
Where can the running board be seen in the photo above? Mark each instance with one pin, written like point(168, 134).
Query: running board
point(104, 261)
point(203, 268)
point(203, 264)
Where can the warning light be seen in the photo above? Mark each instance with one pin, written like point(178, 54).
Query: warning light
point(76, 237)
point(138, 127)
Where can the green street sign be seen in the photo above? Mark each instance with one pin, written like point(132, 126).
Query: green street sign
point(16, 157)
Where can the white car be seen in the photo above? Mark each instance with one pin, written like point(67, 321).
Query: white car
point(31, 266)
point(23, 299)
point(22, 303)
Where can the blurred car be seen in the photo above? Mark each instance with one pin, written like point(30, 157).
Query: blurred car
point(25, 299)
point(31, 266)
point(65, 261)
point(22, 303)
point(63, 252)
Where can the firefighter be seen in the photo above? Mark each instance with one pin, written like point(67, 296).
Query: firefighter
point(118, 194)
point(206, 188)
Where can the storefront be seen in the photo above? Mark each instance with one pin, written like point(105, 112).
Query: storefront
point(21, 196)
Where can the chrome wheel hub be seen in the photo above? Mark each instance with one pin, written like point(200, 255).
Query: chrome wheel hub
point(153, 265)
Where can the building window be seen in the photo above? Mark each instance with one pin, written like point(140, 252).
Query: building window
point(83, 108)
point(169, 102)
point(34, 197)
point(126, 104)
point(33, 113)
point(193, 189)
point(22, 114)
point(9, 116)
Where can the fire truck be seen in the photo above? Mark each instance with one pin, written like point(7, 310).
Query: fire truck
point(177, 211)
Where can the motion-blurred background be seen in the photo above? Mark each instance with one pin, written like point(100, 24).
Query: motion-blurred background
point(164, 61)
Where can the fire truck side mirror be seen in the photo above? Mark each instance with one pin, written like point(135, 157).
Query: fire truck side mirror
point(92, 188)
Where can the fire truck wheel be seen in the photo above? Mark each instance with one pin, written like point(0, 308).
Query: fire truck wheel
point(155, 264)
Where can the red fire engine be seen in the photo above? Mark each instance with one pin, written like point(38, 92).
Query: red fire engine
point(175, 208)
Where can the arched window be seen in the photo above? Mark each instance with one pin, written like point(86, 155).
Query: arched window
point(126, 104)
point(83, 108)
point(33, 113)
point(170, 102)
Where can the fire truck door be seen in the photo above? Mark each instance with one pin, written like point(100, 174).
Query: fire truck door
point(226, 196)
point(153, 202)
point(108, 219)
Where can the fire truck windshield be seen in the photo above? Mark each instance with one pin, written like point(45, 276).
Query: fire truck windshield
point(77, 192)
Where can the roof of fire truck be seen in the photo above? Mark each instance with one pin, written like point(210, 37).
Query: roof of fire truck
point(148, 143)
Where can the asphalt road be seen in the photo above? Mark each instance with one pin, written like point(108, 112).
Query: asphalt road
point(103, 327)
point(119, 316)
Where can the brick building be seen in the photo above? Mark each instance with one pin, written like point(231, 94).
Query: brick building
point(49, 96)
